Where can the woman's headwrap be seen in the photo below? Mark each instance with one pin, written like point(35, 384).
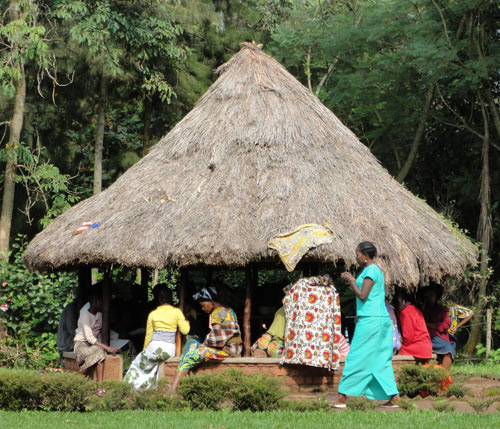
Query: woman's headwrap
point(206, 294)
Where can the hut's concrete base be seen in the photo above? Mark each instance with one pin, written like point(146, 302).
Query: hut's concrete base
point(296, 378)
point(113, 366)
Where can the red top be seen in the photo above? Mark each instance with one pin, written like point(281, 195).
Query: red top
point(439, 314)
point(416, 339)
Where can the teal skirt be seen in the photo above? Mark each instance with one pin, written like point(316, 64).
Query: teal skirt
point(368, 367)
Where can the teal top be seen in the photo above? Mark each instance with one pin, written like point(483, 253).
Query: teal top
point(374, 304)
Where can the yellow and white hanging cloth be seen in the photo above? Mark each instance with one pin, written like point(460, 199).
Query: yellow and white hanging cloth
point(293, 245)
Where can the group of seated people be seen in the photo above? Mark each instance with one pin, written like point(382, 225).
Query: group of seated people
point(425, 329)
point(427, 326)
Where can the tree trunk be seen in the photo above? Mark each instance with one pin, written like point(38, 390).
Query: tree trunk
point(419, 133)
point(148, 113)
point(494, 110)
point(99, 136)
point(484, 234)
point(16, 125)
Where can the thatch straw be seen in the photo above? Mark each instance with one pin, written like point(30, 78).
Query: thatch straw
point(258, 155)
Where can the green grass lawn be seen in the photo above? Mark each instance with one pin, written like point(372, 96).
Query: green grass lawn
point(481, 368)
point(229, 420)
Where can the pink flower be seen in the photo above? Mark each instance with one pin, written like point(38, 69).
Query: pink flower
point(9, 300)
point(4, 284)
point(4, 307)
point(39, 282)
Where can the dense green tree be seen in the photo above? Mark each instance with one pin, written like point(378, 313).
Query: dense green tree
point(121, 42)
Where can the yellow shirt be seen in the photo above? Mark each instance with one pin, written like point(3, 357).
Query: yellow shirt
point(277, 328)
point(165, 318)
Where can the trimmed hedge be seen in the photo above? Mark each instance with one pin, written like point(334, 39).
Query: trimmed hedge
point(233, 389)
point(30, 390)
point(25, 389)
point(416, 379)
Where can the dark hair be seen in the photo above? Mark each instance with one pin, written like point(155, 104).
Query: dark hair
point(162, 292)
point(400, 292)
point(225, 295)
point(368, 248)
point(436, 287)
point(95, 291)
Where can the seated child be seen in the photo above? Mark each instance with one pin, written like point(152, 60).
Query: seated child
point(91, 353)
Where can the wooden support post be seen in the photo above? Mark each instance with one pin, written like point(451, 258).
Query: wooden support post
point(145, 277)
point(250, 282)
point(106, 304)
point(181, 294)
point(488, 332)
point(84, 283)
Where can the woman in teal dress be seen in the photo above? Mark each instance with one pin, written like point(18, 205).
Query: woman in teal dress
point(368, 367)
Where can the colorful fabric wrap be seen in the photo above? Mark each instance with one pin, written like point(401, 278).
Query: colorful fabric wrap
point(88, 355)
point(271, 346)
point(457, 313)
point(293, 245)
point(312, 333)
point(222, 341)
point(143, 373)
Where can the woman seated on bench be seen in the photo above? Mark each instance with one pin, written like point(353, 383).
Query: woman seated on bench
point(223, 339)
point(271, 343)
point(91, 353)
point(159, 343)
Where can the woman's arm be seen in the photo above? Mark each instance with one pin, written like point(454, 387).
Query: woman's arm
point(109, 349)
point(89, 335)
point(462, 322)
point(149, 331)
point(183, 324)
point(444, 324)
point(362, 293)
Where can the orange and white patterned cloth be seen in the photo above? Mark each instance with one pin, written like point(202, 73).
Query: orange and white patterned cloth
point(312, 333)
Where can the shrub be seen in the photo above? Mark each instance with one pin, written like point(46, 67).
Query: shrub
point(407, 404)
point(493, 391)
point(32, 302)
point(304, 405)
point(111, 395)
point(244, 392)
point(443, 406)
point(457, 390)
point(480, 405)
point(19, 354)
point(25, 389)
point(361, 404)
point(204, 391)
point(156, 400)
point(414, 379)
point(255, 393)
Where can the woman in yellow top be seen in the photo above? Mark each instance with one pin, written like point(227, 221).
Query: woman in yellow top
point(159, 343)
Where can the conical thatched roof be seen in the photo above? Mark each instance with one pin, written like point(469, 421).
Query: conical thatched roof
point(258, 155)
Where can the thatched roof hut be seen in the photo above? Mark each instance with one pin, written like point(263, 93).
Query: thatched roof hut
point(258, 155)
